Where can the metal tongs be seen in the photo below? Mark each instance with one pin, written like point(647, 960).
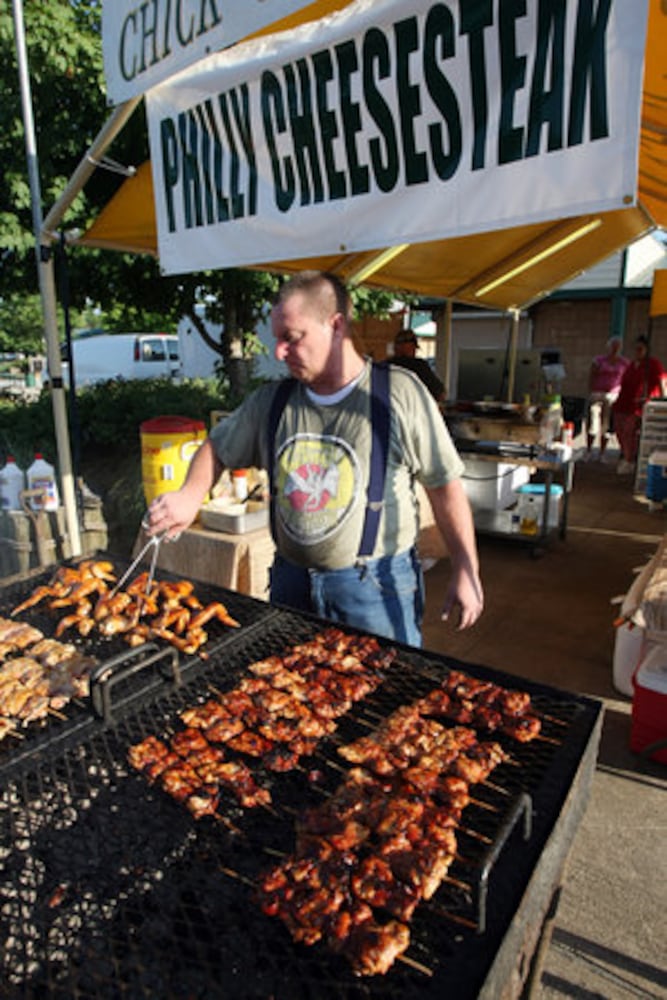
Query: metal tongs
point(154, 543)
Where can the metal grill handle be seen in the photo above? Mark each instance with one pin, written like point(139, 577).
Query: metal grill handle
point(122, 666)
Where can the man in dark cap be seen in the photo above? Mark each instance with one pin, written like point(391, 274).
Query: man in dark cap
point(406, 346)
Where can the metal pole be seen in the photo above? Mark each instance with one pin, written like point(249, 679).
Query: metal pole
point(514, 343)
point(47, 291)
point(443, 347)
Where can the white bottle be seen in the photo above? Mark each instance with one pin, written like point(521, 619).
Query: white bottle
point(42, 476)
point(12, 481)
point(240, 484)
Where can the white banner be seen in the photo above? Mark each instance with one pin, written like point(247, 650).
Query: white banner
point(146, 41)
point(398, 121)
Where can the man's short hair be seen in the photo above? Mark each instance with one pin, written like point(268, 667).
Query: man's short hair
point(406, 337)
point(325, 292)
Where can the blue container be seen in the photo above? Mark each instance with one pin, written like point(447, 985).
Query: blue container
point(656, 477)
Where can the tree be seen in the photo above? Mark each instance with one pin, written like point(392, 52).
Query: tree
point(65, 62)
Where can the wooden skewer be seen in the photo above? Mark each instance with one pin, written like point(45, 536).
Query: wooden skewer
point(453, 917)
point(232, 827)
point(552, 718)
point(476, 836)
point(237, 875)
point(269, 808)
point(457, 882)
point(57, 714)
point(336, 766)
point(549, 739)
point(274, 853)
point(483, 805)
point(495, 788)
point(414, 964)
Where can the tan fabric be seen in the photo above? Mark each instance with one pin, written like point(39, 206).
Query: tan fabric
point(236, 562)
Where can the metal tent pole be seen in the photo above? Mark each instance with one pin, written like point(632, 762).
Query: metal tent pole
point(47, 290)
point(514, 342)
point(44, 231)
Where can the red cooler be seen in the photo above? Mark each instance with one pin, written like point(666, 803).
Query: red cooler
point(649, 704)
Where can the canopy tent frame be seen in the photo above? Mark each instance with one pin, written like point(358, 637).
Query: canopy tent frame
point(531, 265)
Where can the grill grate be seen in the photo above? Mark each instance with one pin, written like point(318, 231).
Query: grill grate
point(48, 732)
point(109, 888)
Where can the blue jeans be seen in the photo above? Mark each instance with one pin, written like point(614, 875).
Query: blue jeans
point(384, 596)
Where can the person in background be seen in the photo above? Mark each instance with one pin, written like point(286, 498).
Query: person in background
point(406, 346)
point(642, 380)
point(343, 441)
point(604, 385)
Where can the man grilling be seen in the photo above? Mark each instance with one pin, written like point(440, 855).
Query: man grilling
point(344, 441)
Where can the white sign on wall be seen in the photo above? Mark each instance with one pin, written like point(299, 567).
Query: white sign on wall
point(397, 121)
point(147, 41)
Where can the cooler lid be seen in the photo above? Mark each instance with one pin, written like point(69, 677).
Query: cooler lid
point(540, 489)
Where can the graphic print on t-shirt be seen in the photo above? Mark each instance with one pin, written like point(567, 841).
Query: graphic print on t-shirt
point(317, 485)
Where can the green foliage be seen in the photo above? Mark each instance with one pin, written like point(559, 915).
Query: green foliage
point(26, 428)
point(109, 416)
point(21, 324)
point(376, 301)
point(65, 64)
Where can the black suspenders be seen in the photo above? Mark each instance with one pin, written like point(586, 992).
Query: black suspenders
point(380, 426)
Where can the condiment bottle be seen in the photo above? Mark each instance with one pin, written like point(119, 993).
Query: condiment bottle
point(240, 484)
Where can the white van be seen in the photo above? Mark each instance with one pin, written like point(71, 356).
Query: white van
point(104, 356)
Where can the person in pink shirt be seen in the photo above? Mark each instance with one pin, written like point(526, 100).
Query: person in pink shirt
point(642, 380)
point(604, 384)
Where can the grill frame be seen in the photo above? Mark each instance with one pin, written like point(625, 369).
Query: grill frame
point(157, 920)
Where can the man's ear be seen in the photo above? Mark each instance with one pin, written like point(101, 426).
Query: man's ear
point(338, 325)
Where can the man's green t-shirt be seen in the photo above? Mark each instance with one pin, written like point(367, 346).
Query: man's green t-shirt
point(323, 463)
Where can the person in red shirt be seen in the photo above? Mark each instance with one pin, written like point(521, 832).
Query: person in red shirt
point(642, 380)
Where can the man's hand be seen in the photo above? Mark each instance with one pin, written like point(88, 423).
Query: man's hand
point(453, 516)
point(464, 593)
point(174, 512)
point(171, 513)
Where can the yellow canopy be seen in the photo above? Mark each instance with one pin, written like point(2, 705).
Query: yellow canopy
point(659, 294)
point(503, 269)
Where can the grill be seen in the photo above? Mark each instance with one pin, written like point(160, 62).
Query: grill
point(110, 888)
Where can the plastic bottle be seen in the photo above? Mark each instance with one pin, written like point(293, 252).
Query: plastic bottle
point(42, 476)
point(240, 484)
point(12, 481)
point(528, 524)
